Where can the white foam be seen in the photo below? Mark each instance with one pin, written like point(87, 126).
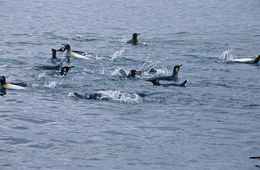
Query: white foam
point(71, 95)
point(117, 72)
point(117, 54)
point(51, 84)
point(42, 75)
point(120, 96)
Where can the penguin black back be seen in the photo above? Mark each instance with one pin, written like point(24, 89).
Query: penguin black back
point(157, 83)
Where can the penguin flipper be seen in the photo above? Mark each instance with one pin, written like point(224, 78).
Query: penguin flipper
point(183, 83)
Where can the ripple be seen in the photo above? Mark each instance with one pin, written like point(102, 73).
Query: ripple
point(15, 141)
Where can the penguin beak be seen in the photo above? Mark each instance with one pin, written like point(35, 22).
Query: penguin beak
point(180, 65)
point(71, 67)
point(138, 34)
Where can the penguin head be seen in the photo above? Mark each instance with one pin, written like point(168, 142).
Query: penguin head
point(2, 80)
point(132, 73)
point(258, 57)
point(154, 81)
point(65, 70)
point(67, 47)
point(176, 68)
point(61, 49)
point(134, 36)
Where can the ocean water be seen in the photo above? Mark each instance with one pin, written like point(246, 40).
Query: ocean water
point(212, 123)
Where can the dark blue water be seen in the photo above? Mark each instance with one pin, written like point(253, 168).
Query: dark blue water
point(213, 123)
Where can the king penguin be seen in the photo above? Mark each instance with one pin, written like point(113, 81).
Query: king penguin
point(247, 60)
point(134, 39)
point(63, 71)
point(157, 83)
point(17, 86)
point(172, 77)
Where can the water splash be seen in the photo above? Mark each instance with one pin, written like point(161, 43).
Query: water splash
point(117, 54)
point(117, 72)
point(41, 75)
point(51, 84)
point(227, 55)
point(117, 95)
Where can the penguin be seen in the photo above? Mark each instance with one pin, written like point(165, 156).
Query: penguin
point(63, 71)
point(17, 86)
point(69, 53)
point(157, 83)
point(98, 96)
point(247, 60)
point(133, 73)
point(256, 157)
point(173, 77)
point(134, 40)
point(95, 96)
point(57, 67)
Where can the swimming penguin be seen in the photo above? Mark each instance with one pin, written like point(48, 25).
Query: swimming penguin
point(57, 67)
point(247, 60)
point(256, 157)
point(173, 77)
point(157, 83)
point(99, 96)
point(131, 74)
point(17, 86)
point(95, 96)
point(69, 52)
point(63, 71)
point(134, 39)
